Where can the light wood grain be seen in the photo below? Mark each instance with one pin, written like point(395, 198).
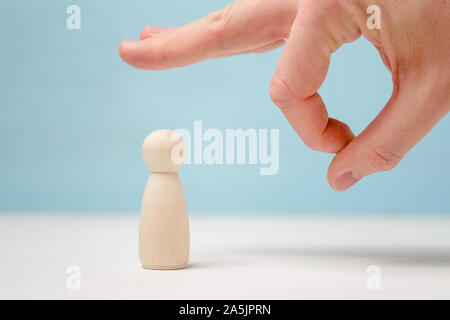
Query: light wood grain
point(164, 222)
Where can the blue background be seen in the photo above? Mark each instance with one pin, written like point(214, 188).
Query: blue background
point(73, 117)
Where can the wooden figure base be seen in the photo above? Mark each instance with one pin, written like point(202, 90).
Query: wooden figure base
point(181, 266)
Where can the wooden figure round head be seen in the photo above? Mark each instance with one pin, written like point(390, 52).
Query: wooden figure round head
point(164, 151)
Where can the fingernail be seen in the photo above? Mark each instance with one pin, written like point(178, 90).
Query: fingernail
point(346, 180)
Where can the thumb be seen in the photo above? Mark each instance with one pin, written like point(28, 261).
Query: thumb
point(408, 116)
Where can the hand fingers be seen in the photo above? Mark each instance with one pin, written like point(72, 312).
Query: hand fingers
point(265, 48)
point(241, 26)
point(268, 47)
point(154, 31)
point(407, 118)
point(302, 69)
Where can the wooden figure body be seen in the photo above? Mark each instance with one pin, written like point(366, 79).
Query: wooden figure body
point(164, 221)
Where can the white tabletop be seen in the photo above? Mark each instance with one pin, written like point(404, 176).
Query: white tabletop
point(232, 257)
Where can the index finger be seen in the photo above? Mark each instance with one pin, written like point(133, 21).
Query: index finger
point(239, 27)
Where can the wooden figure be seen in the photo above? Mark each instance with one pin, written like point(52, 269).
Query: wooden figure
point(164, 221)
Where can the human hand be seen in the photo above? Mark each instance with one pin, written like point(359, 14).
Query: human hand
point(413, 42)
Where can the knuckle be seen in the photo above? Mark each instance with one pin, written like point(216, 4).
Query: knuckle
point(382, 158)
point(279, 92)
point(323, 6)
point(219, 21)
point(339, 20)
point(338, 6)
